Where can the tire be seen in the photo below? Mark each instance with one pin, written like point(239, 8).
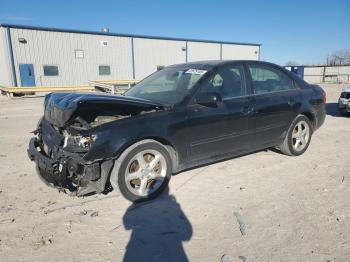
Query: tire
point(290, 145)
point(143, 171)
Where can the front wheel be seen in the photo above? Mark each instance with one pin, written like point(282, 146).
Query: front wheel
point(298, 137)
point(144, 171)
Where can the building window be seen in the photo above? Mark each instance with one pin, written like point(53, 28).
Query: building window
point(50, 70)
point(104, 70)
point(104, 43)
point(79, 54)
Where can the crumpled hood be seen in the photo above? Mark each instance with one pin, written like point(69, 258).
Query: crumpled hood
point(60, 107)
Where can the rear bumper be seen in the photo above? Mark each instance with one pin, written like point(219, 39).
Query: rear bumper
point(320, 115)
point(68, 171)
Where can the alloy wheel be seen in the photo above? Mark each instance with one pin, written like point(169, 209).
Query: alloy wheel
point(145, 172)
point(300, 135)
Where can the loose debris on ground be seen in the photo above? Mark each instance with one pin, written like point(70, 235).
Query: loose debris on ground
point(242, 224)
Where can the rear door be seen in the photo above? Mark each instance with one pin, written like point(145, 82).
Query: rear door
point(276, 101)
point(26, 72)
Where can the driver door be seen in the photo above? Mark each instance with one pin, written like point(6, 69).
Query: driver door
point(207, 127)
point(223, 128)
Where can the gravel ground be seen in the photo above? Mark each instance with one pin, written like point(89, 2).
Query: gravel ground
point(260, 207)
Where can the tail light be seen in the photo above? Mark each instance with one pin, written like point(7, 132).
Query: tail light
point(324, 97)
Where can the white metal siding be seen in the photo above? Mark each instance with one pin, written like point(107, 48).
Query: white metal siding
point(313, 79)
point(198, 51)
point(319, 74)
point(5, 65)
point(58, 48)
point(240, 52)
point(150, 53)
point(312, 71)
point(344, 70)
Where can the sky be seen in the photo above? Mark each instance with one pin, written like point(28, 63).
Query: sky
point(288, 30)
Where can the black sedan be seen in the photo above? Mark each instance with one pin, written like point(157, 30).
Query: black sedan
point(179, 117)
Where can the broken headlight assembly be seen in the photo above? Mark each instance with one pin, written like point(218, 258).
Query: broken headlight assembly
point(79, 141)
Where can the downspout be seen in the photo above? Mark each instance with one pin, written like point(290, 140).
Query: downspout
point(133, 57)
point(12, 60)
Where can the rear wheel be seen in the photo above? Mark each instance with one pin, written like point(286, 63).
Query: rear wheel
point(144, 171)
point(298, 137)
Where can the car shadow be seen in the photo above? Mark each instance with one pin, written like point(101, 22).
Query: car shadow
point(332, 109)
point(158, 229)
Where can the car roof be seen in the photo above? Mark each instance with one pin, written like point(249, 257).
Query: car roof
point(209, 64)
point(346, 89)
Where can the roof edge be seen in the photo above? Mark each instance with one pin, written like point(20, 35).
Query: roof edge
point(50, 29)
point(316, 65)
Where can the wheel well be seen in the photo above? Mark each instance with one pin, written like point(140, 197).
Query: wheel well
point(311, 117)
point(172, 151)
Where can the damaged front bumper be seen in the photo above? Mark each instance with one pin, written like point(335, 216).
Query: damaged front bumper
point(68, 172)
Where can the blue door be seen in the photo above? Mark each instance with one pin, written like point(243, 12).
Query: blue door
point(26, 72)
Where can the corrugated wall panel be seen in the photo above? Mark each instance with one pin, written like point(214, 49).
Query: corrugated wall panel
point(344, 70)
point(5, 65)
point(240, 52)
point(312, 79)
point(58, 48)
point(198, 51)
point(313, 70)
point(150, 53)
point(331, 74)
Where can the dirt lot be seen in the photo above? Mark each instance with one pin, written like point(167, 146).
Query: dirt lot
point(291, 208)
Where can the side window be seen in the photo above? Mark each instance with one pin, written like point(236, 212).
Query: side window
point(227, 81)
point(266, 80)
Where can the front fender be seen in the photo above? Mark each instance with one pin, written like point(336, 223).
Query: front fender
point(115, 137)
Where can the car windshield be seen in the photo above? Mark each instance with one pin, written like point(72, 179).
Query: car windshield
point(168, 86)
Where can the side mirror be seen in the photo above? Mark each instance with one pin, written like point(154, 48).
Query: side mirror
point(210, 99)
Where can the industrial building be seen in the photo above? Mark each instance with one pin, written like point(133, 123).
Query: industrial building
point(39, 56)
point(327, 74)
point(336, 74)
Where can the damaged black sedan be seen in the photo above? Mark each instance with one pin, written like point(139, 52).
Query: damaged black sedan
point(179, 117)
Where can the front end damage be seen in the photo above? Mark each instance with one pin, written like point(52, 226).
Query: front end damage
point(65, 137)
point(69, 172)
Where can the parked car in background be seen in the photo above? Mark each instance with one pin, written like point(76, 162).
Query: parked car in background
point(179, 117)
point(344, 101)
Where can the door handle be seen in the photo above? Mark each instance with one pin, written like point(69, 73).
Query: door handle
point(291, 102)
point(247, 110)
